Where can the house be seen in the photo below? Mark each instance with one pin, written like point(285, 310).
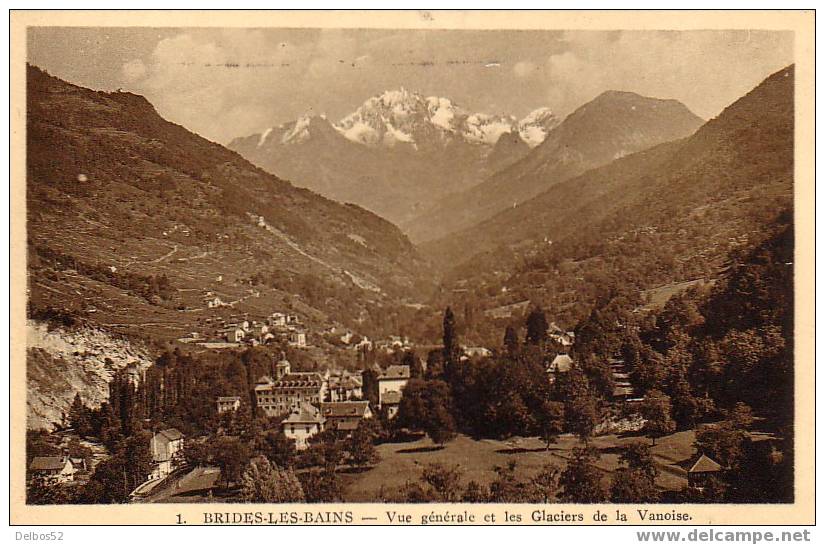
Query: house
point(562, 363)
point(297, 339)
point(288, 391)
point(260, 330)
point(700, 471)
point(302, 423)
point(213, 301)
point(393, 379)
point(344, 387)
point(228, 404)
point(79, 464)
point(477, 351)
point(233, 334)
point(277, 319)
point(390, 402)
point(166, 447)
point(54, 469)
point(345, 415)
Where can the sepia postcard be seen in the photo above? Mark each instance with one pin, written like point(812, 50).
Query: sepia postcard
point(412, 268)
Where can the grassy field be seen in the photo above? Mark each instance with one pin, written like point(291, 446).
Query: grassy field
point(403, 462)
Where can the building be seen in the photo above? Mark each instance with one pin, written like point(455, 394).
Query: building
point(393, 379)
point(345, 415)
point(228, 404)
point(213, 301)
point(233, 334)
point(166, 447)
point(562, 363)
point(344, 387)
point(390, 403)
point(297, 339)
point(277, 319)
point(477, 351)
point(302, 423)
point(288, 391)
point(54, 469)
point(701, 471)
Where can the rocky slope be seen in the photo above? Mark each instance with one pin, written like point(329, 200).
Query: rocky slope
point(62, 362)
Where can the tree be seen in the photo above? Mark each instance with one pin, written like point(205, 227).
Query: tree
point(722, 442)
point(656, 411)
point(426, 406)
point(741, 416)
point(264, 482)
point(231, 456)
point(582, 415)
point(507, 487)
point(632, 486)
point(414, 363)
point(321, 486)
point(581, 480)
point(79, 417)
point(635, 481)
point(360, 446)
point(511, 345)
point(451, 349)
point(536, 327)
point(475, 493)
point(551, 421)
point(444, 481)
point(546, 483)
point(277, 447)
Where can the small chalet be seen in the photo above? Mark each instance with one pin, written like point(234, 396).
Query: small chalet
point(700, 471)
point(54, 469)
point(345, 415)
point(302, 424)
point(228, 404)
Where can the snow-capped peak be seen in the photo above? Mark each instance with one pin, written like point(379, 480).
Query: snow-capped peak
point(401, 116)
point(534, 127)
point(299, 132)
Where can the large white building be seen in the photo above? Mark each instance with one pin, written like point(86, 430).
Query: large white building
point(166, 447)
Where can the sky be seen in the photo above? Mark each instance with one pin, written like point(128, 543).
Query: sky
point(225, 83)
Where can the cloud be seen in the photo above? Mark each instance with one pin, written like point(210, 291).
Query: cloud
point(133, 70)
point(704, 69)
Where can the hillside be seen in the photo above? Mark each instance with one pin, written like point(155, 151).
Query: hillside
point(672, 213)
point(133, 220)
point(611, 126)
point(397, 154)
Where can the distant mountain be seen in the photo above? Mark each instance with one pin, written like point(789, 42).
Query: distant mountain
point(611, 126)
point(397, 153)
point(133, 221)
point(672, 213)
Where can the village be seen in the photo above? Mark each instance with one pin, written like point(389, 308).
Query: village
point(303, 405)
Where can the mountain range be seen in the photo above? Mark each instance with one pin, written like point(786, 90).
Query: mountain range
point(611, 126)
point(398, 153)
point(672, 213)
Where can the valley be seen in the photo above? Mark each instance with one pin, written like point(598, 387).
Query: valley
point(614, 286)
